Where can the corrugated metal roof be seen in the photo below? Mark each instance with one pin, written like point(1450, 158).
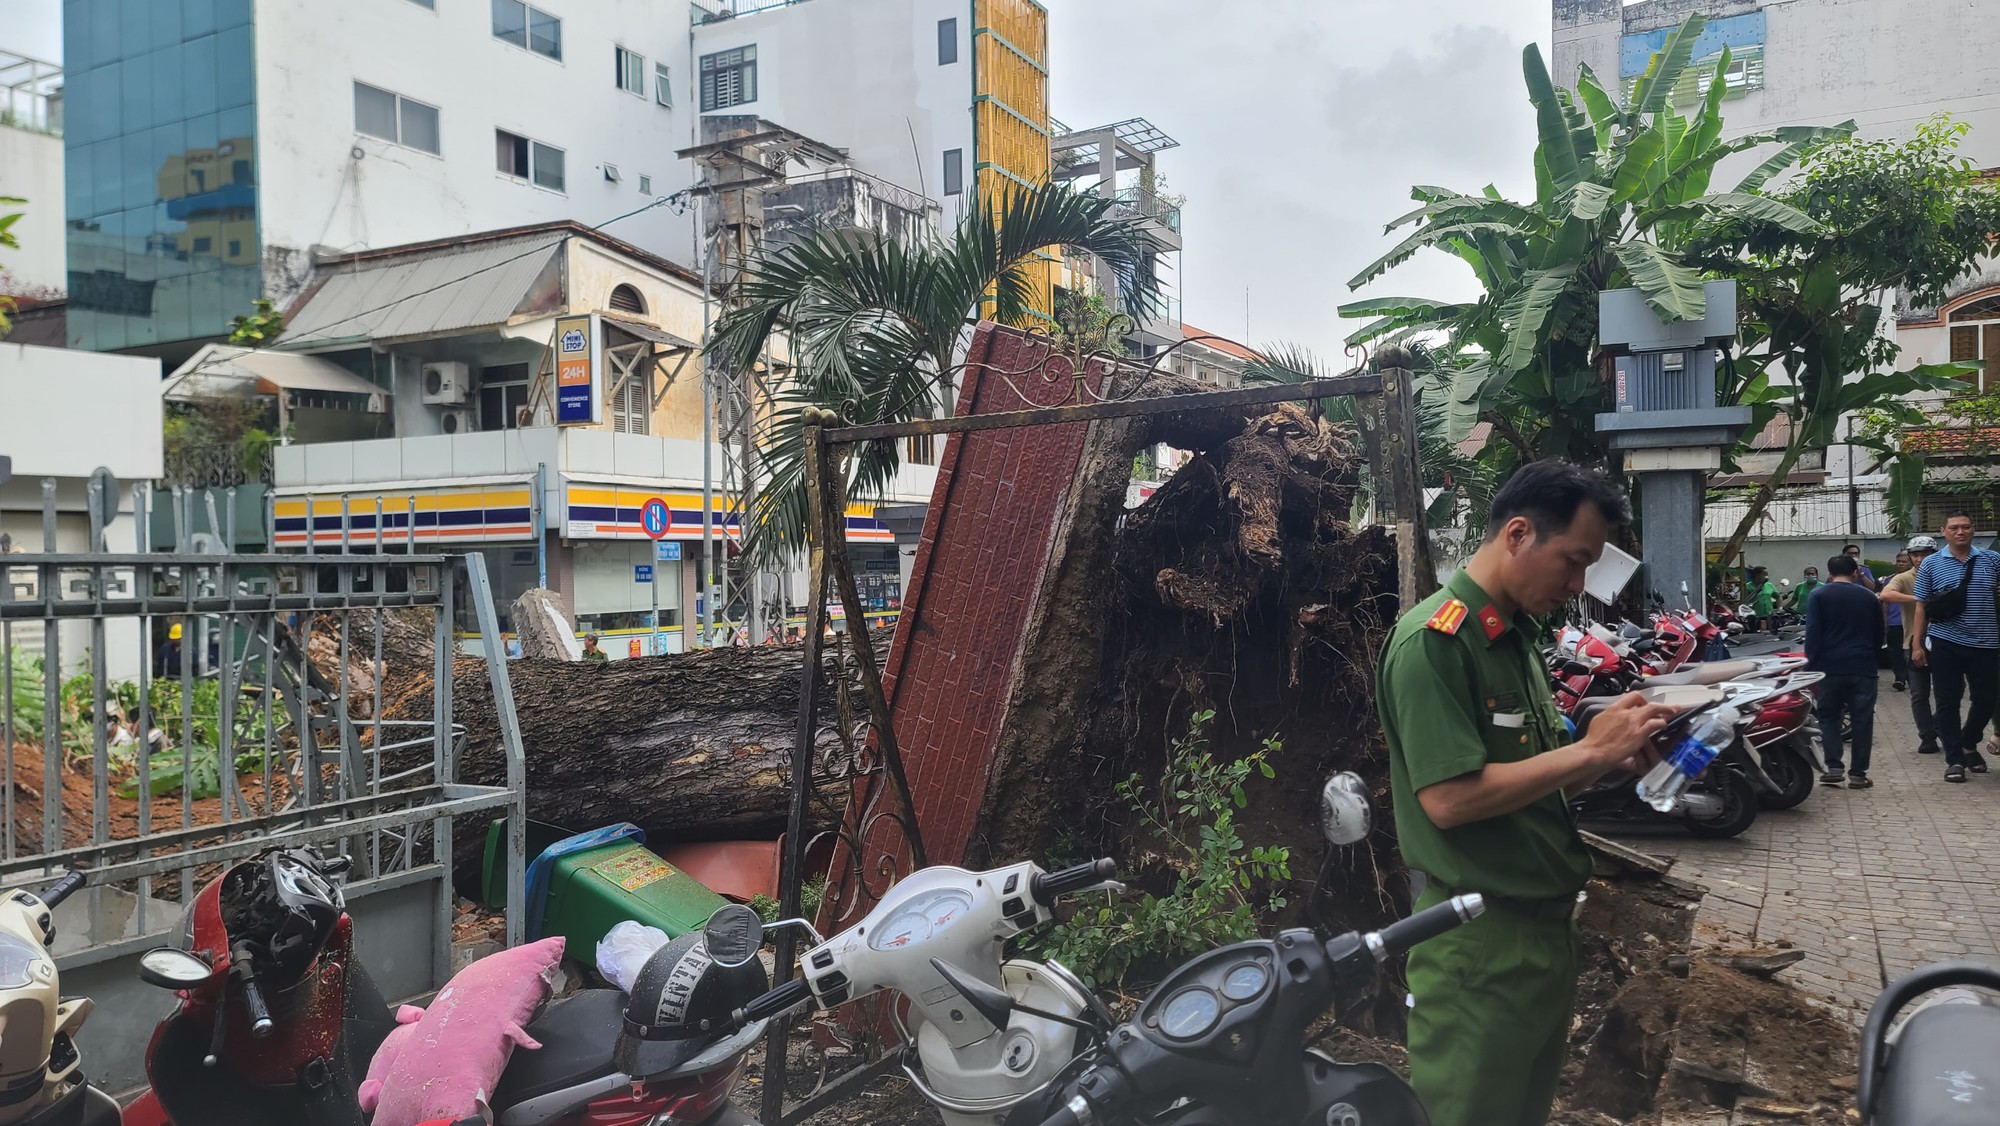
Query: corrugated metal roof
point(219, 369)
point(440, 292)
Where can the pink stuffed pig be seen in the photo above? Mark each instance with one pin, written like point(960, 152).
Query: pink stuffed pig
point(443, 1062)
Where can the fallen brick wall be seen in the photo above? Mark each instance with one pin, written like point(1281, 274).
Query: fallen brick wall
point(999, 500)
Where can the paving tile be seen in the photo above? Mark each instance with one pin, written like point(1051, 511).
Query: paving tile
point(1870, 883)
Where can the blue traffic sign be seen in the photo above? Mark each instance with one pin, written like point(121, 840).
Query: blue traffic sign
point(667, 551)
point(655, 517)
point(642, 572)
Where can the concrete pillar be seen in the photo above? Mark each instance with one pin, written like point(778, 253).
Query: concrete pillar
point(1670, 508)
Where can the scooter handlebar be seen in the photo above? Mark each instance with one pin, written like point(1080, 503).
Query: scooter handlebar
point(253, 1005)
point(1076, 1112)
point(62, 889)
point(775, 1003)
point(1051, 886)
point(1426, 924)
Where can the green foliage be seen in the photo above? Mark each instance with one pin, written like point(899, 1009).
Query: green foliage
point(199, 730)
point(1620, 189)
point(1192, 816)
point(1085, 324)
point(876, 327)
point(217, 440)
point(812, 894)
point(263, 325)
point(11, 241)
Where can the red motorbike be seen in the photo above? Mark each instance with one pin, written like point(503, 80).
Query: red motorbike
point(278, 1020)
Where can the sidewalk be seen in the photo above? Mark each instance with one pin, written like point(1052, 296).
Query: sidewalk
point(1869, 883)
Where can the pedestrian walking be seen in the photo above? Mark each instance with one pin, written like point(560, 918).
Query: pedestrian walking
point(1897, 598)
point(1478, 767)
point(1892, 626)
point(1957, 636)
point(1843, 631)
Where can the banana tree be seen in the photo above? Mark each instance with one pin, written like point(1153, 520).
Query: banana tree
point(1621, 185)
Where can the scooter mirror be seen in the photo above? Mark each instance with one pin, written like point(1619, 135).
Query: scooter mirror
point(733, 935)
point(1345, 817)
point(170, 968)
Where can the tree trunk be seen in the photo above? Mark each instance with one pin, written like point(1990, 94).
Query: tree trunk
point(688, 746)
point(1759, 501)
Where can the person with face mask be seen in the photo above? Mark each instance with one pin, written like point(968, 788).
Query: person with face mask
point(1479, 763)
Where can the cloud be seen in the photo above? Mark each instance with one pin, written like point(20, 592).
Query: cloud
point(1303, 125)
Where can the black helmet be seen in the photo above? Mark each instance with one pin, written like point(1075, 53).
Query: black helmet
point(682, 993)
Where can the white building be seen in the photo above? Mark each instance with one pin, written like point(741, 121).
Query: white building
point(67, 415)
point(1887, 65)
point(31, 169)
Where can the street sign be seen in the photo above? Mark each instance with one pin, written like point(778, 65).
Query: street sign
point(642, 572)
point(655, 517)
point(666, 551)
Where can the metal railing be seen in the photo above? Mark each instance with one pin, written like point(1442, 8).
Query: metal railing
point(1136, 202)
point(30, 93)
point(166, 713)
point(712, 11)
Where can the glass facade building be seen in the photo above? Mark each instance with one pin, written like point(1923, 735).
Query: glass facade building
point(161, 179)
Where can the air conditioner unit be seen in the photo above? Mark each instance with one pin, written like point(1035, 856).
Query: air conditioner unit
point(458, 421)
point(446, 382)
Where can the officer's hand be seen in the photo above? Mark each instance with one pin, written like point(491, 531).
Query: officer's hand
point(1624, 731)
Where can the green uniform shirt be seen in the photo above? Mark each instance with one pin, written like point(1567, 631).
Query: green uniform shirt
point(1451, 701)
point(1765, 599)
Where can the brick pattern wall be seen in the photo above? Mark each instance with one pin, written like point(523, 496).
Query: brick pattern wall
point(993, 516)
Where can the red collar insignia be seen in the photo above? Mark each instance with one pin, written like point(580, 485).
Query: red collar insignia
point(1489, 620)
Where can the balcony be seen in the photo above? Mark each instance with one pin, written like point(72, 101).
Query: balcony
point(1160, 219)
point(715, 11)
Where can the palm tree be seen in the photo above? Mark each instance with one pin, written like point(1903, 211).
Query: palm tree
point(877, 327)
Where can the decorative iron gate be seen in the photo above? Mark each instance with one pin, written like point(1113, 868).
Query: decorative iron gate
point(165, 714)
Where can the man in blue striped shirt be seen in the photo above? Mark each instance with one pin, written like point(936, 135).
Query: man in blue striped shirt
point(1962, 647)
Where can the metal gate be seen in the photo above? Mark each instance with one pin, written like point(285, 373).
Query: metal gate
point(165, 714)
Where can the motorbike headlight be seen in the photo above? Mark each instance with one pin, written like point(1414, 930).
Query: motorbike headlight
point(17, 962)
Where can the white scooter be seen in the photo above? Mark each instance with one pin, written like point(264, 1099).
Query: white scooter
point(41, 1073)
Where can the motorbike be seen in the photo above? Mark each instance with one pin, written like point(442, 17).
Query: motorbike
point(1783, 739)
point(42, 1082)
point(1222, 1039)
point(1722, 802)
point(278, 1020)
point(1937, 1068)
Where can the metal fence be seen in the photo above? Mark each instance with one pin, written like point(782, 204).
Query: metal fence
point(165, 714)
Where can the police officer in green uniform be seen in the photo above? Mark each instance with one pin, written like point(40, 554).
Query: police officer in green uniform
point(1479, 766)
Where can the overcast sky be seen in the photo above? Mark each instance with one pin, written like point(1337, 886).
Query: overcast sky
point(1302, 125)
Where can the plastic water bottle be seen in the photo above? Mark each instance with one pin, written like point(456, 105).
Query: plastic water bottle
point(1664, 784)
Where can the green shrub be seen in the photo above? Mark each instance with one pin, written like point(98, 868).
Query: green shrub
point(1214, 900)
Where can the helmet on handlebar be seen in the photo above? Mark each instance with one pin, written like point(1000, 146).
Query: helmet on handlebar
point(680, 992)
point(284, 906)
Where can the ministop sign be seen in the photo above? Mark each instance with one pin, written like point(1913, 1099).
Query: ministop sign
point(655, 517)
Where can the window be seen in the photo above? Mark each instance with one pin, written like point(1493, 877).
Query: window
point(625, 299)
point(1978, 343)
point(204, 245)
point(947, 42)
point(548, 166)
point(728, 78)
point(632, 400)
point(921, 449)
point(517, 156)
point(663, 85)
point(631, 72)
point(523, 26)
point(954, 171)
point(645, 185)
point(612, 174)
point(503, 396)
point(379, 113)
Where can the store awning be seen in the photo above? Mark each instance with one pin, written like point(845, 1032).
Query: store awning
point(452, 289)
point(219, 369)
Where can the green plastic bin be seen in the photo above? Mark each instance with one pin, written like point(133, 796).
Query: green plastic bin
point(592, 891)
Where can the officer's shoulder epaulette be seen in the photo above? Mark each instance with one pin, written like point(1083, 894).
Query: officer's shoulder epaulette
point(1448, 618)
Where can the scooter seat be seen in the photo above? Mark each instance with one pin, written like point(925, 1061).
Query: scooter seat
point(1942, 1069)
point(1709, 672)
point(577, 1035)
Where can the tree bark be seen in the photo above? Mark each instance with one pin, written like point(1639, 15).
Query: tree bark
point(1759, 501)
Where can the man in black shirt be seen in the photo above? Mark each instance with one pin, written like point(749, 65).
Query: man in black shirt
point(1843, 631)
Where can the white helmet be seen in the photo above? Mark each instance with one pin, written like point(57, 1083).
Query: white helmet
point(1922, 543)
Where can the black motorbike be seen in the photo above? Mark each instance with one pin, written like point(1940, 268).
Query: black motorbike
point(1222, 1040)
point(1941, 1067)
point(1721, 803)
